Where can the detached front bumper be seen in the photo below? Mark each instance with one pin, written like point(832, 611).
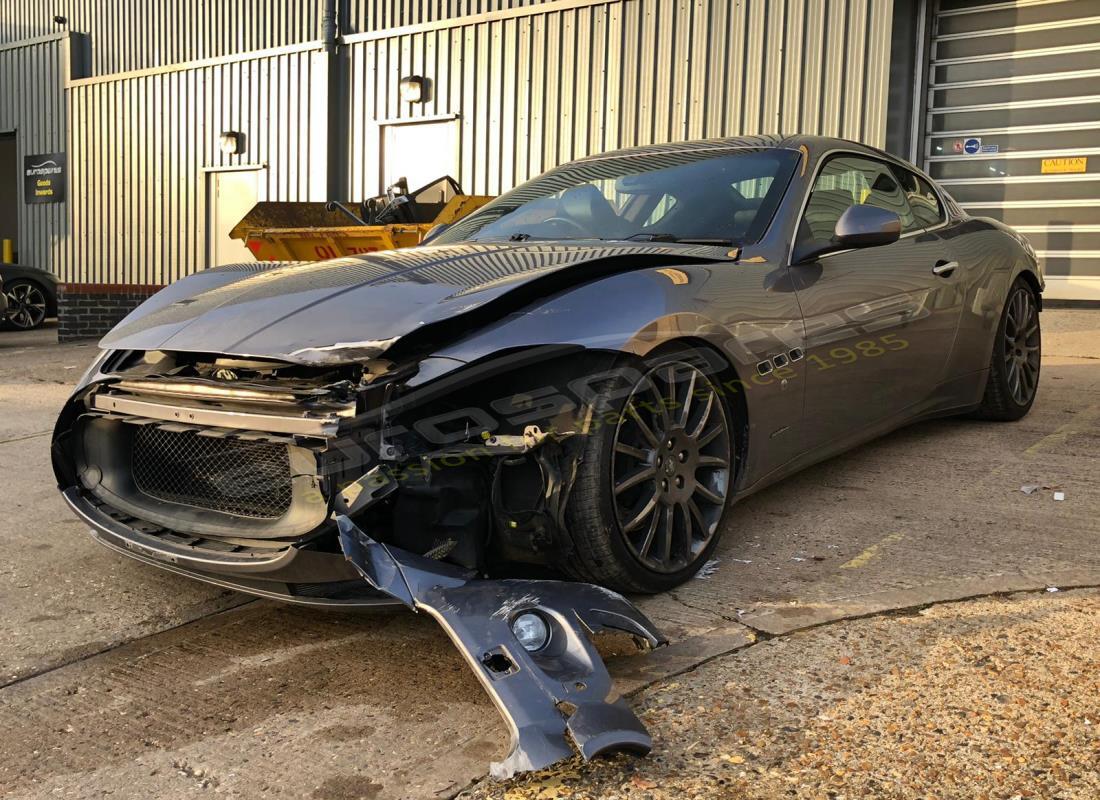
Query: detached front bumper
point(557, 698)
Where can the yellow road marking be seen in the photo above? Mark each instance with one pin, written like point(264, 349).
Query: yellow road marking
point(1082, 422)
point(867, 555)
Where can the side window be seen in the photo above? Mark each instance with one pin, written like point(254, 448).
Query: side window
point(847, 181)
point(925, 205)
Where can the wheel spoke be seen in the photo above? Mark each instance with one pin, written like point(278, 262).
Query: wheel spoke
point(708, 437)
point(697, 516)
point(685, 412)
point(665, 402)
point(709, 495)
point(638, 476)
point(647, 432)
point(702, 423)
point(648, 386)
point(630, 450)
point(668, 522)
point(647, 542)
point(639, 518)
point(711, 462)
point(685, 533)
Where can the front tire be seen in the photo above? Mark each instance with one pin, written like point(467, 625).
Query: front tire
point(1016, 358)
point(653, 481)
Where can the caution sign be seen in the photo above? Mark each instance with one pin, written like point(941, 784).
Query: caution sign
point(1061, 166)
point(44, 178)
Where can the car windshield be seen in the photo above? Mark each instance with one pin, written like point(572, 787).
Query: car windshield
point(717, 195)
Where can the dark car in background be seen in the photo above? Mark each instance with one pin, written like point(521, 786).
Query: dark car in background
point(30, 295)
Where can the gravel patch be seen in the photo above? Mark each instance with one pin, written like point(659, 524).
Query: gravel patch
point(995, 698)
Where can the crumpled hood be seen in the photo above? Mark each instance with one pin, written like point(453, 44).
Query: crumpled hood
point(355, 308)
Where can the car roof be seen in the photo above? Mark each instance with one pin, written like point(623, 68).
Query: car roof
point(814, 145)
point(761, 142)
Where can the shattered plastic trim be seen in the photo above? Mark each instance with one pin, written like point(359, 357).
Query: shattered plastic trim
point(555, 699)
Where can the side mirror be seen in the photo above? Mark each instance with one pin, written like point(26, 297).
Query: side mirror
point(866, 226)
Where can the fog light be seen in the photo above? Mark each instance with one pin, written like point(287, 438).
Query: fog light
point(531, 631)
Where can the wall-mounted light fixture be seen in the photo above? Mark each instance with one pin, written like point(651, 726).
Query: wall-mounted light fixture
point(231, 142)
point(414, 89)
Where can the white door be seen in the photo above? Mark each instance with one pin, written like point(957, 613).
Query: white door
point(420, 152)
point(229, 196)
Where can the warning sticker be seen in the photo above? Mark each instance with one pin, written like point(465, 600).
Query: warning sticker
point(1061, 166)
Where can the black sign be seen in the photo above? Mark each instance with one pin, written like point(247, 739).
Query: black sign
point(44, 178)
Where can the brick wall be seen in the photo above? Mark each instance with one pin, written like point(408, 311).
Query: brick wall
point(90, 310)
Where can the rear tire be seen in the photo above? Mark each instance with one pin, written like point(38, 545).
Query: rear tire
point(654, 477)
point(1014, 363)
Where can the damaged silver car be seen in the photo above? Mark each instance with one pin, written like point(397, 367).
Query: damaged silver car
point(573, 382)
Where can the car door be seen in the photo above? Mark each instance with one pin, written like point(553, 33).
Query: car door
point(879, 321)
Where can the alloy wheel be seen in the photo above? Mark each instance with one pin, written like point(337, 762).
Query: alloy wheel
point(671, 466)
point(1021, 345)
point(26, 305)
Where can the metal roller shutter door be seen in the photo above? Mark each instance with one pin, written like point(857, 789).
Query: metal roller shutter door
point(1013, 125)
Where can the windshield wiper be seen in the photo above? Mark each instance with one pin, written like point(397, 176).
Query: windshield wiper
point(668, 237)
point(519, 237)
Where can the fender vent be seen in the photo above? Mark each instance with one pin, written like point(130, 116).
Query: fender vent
point(232, 476)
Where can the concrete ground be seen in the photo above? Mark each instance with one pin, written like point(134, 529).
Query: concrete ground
point(127, 681)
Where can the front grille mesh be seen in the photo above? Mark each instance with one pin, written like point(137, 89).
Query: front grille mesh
point(247, 479)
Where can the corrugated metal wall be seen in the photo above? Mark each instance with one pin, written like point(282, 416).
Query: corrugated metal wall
point(375, 15)
point(140, 34)
point(142, 146)
point(130, 35)
point(32, 103)
point(535, 90)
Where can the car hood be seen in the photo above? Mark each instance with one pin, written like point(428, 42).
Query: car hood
point(352, 309)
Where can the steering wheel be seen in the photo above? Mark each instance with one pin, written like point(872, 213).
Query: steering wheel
point(571, 223)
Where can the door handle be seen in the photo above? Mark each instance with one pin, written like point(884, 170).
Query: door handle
point(945, 268)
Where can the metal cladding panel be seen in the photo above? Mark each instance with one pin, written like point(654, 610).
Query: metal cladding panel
point(142, 145)
point(541, 86)
point(139, 34)
point(376, 15)
point(32, 104)
point(129, 35)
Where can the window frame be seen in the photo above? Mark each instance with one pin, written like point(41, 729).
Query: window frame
point(890, 163)
point(944, 216)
